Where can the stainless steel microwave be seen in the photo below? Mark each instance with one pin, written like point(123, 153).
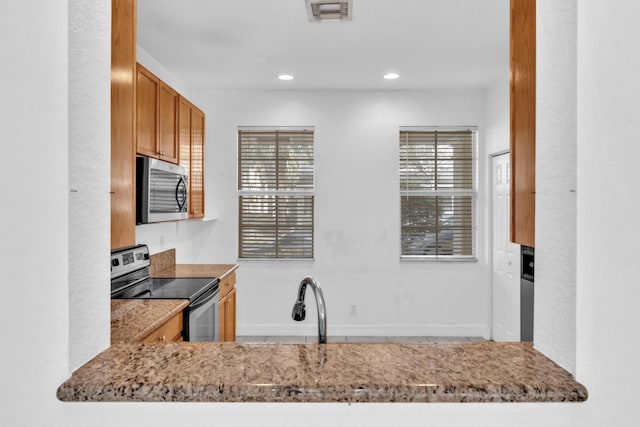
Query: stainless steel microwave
point(161, 191)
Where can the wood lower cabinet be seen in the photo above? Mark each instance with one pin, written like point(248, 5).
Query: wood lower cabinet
point(191, 137)
point(228, 308)
point(156, 117)
point(170, 331)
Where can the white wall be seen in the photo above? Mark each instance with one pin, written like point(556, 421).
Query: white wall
point(34, 254)
point(556, 136)
point(35, 359)
point(496, 110)
point(356, 255)
point(608, 230)
point(356, 213)
point(89, 185)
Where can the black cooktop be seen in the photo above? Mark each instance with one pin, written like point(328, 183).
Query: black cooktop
point(178, 288)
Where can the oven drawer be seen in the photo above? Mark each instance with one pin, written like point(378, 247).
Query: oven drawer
point(170, 331)
point(227, 284)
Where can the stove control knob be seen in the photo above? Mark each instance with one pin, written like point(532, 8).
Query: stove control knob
point(115, 262)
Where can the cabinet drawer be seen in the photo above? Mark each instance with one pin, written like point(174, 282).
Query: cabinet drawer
point(227, 284)
point(170, 331)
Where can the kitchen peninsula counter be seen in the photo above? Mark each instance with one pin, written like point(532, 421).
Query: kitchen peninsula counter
point(335, 372)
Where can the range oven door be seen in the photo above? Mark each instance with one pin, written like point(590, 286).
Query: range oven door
point(201, 318)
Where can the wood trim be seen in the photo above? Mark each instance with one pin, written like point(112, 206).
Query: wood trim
point(523, 120)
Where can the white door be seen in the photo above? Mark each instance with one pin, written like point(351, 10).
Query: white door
point(506, 257)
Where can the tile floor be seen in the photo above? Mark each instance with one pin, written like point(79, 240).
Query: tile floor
point(356, 339)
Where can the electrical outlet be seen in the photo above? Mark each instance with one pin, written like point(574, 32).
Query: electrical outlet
point(354, 310)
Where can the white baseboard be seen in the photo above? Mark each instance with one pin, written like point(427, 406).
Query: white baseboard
point(310, 329)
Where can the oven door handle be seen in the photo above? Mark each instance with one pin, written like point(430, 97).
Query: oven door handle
point(204, 298)
point(141, 293)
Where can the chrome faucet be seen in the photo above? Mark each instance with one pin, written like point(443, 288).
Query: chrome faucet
point(299, 311)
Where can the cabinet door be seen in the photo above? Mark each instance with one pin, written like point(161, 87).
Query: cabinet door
point(196, 177)
point(146, 113)
point(167, 124)
point(222, 309)
point(228, 317)
point(184, 137)
point(170, 331)
point(230, 324)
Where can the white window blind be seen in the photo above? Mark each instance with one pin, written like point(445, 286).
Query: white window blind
point(437, 193)
point(276, 193)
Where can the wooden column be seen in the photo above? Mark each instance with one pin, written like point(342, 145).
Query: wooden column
point(523, 121)
point(123, 95)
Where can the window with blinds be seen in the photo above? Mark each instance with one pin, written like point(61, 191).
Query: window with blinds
point(276, 193)
point(437, 193)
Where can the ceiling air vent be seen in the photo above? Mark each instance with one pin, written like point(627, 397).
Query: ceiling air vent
point(329, 10)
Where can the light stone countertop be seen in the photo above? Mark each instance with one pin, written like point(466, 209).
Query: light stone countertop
point(197, 270)
point(341, 372)
point(134, 319)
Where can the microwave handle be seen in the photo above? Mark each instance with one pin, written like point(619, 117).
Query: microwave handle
point(181, 185)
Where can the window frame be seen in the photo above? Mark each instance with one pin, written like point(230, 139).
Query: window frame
point(473, 193)
point(274, 193)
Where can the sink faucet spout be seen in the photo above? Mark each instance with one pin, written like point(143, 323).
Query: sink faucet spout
point(299, 311)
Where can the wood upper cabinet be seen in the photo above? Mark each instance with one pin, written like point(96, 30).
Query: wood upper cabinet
point(196, 176)
point(191, 137)
point(123, 97)
point(184, 136)
point(228, 308)
point(523, 121)
point(168, 126)
point(156, 117)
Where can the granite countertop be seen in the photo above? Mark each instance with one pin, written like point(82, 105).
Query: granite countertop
point(196, 270)
point(134, 319)
point(337, 372)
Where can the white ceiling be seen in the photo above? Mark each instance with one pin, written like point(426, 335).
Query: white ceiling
point(245, 44)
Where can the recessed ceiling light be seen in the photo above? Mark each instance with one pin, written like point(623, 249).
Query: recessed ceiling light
point(285, 77)
point(391, 76)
